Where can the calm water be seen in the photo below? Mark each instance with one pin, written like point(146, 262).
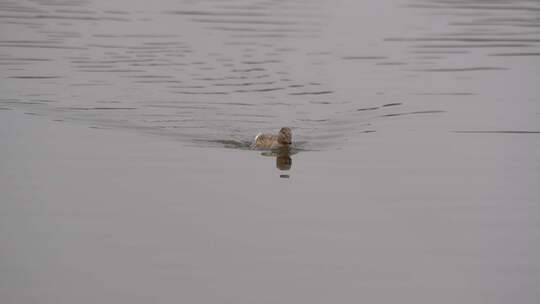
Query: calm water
point(417, 127)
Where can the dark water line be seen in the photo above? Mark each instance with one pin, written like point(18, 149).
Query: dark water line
point(444, 94)
point(34, 77)
point(363, 57)
point(499, 132)
point(413, 113)
point(60, 17)
point(474, 46)
point(451, 5)
point(312, 93)
point(465, 39)
point(37, 46)
point(462, 69)
point(514, 54)
point(392, 104)
point(223, 13)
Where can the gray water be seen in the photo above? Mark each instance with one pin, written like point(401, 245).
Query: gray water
point(214, 72)
point(413, 179)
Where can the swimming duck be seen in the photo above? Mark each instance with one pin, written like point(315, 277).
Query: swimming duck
point(270, 141)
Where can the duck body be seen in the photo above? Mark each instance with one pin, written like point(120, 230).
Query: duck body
point(271, 141)
point(266, 141)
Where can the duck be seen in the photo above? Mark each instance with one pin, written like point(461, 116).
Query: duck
point(271, 141)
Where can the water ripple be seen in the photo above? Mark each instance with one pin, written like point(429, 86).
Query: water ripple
point(218, 72)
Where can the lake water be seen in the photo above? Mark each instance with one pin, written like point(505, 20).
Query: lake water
point(126, 174)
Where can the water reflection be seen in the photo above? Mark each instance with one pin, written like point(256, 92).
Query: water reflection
point(283, 159)
point(284, 162)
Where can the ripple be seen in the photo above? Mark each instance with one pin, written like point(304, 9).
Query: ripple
point(393, 104)
point(261, 90)
point(63, 17)
point(227, 143)
point(243, 84)
point(363, 57)
point(261, 61)
point(472, 69)
point(243, 21)
point(515, 54)
point(248, 70)
point(494, 45)
point(42, 46)
point(34, 77)
point(217, 72)
point(445, 94)
point(392, 63)
point(450, 5)
point(111, 70)
point(413, 113)
point(367, 109)
point(499, 132)
point(312, 93)
point(95, 108)
point(524, 40)
point(222, 13)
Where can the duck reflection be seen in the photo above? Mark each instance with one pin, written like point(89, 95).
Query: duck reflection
point(283, 159)
point(284, 162)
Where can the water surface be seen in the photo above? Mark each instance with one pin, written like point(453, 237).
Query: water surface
point(211, 71)
point(125, 173)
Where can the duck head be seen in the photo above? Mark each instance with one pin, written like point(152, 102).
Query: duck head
point(285, 136)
